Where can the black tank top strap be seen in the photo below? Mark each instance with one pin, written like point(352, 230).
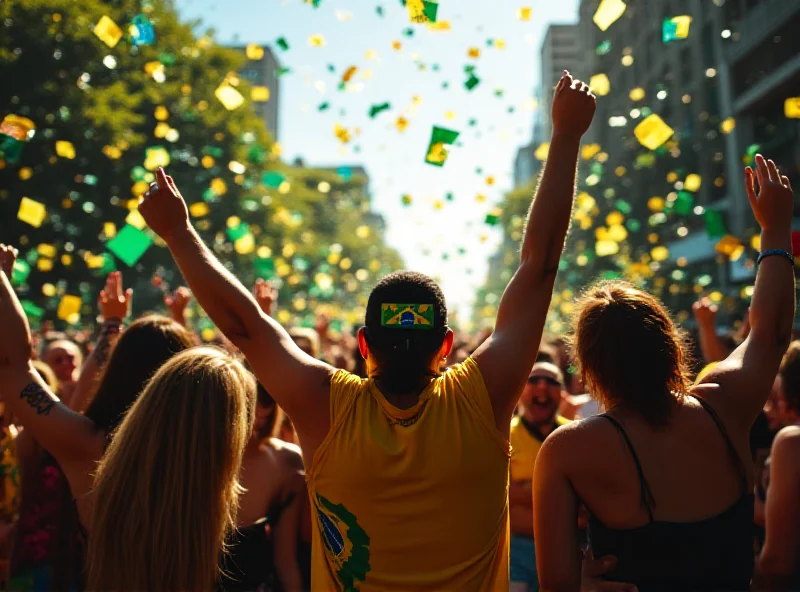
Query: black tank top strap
point(648, 502)
point(728, 442)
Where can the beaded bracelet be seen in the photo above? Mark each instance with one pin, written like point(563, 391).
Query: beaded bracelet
point(771, 252)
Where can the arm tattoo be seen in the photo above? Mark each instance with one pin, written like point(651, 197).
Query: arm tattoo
point(37, 398)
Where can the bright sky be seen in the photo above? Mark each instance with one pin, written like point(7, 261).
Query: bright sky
point(394, 160)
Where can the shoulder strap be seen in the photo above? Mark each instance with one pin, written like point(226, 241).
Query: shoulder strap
point(648, 502)
point(737, 460)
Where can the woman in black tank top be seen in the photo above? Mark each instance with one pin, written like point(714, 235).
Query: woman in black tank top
point(666, 472)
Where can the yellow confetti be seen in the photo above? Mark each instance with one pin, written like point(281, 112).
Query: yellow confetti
point(608, 12)
point(490, 180)
point(659, 253)
point(396, 45)
point(449, 115)
point(107, 31)
point(218, 186)
point(316, 41)
point(600, 85)
point(156, 70)
point(259, 94)
point(245, 244)
point(727, 125)
point(474, 52)
point(589, 150)
point(605, 248)
point(730, 245)
point(344, 16)
point(636, 94)
point(755, 242)
point(542, 151)
point(349, 73)
point(198, 209)
point(439, 26)
point(656, 204)
point(65, 149)
point(135, 219)
point(499, 44)
point(109, 229)
point(791, 108)
point(692, 182)
point(524, 13)
point(25, 173)
point(68, 307)
point(31, 212)
point(156, 157)
point(94, 261)
point(480, 198)
point(652, 132)
point(44, 264)
point(230, 98)
point(682, 26)
point(162, 129)
point(342, 133)
point(438, 204)
point(47, 250)
point(254, 51)
point(401, 124)
point(161, 113)
point(371, 54)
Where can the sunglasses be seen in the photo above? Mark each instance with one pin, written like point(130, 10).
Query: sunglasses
point(550, 381)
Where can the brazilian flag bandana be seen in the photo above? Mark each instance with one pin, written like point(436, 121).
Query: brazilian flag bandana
point(408, 316)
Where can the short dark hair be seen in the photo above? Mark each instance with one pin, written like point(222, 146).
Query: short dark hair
point(790, 376)
point(403, 355)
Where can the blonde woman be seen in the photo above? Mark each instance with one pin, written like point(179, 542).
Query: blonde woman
point(165, 493)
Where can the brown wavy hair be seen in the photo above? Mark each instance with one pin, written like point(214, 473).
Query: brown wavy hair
point(629, 352)
point(166, 492)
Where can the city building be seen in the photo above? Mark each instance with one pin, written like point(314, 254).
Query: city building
point(561, 50)
point(262, 73)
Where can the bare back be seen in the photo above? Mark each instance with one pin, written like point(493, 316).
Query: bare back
point(680, 464)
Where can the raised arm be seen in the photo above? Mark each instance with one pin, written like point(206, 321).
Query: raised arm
point(70, 437)
point(740, 385)
point(115, 306)
point(299, 383)
point(506, 357)
point(711, 346)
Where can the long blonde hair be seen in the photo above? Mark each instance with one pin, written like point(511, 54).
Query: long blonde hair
point(166, 492)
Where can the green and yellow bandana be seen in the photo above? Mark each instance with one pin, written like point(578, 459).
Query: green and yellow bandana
point(407, 316)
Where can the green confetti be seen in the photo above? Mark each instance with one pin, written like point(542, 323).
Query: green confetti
point(472, 82)
point(375, 109)
point(273, 179)
point(282, 43)
point(129, 244)
point(440, 137)
point(715, 224)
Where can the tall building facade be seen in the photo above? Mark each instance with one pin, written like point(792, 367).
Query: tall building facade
point(263, 72)
point(561, 50)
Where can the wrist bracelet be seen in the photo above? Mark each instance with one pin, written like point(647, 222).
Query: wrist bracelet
point(771, 252)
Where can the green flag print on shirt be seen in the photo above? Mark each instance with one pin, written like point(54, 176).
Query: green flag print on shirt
point(346, 542)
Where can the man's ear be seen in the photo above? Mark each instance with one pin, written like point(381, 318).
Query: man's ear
point(363, 348)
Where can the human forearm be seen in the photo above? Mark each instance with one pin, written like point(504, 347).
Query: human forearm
point(711, 345)
point(773, 306)
point(218, 291)
point(548, 219)
point(93, 368)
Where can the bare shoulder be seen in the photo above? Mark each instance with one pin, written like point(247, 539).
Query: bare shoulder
point(787, 440)
point(287, 453)
point(575, 436)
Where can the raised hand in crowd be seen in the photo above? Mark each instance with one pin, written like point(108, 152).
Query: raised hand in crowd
point(266, 295)
point(177, 302)
point(8, 256)
point(711, 346)
point(114, 304)
point(507, 355)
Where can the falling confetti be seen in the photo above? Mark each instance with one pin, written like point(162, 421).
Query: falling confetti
point(608, 12)
point(675, 28)
point(107, 31)
point(791, 108)
point(282, 43)
point(129, 245)
point(440, 137)
point(316, 41)
point(422, 11)
point(31, 212)
point(230, 98)
point(142, 31)
point(652, 132)
point(375, 109)
point(600, 85)
point(524, 13)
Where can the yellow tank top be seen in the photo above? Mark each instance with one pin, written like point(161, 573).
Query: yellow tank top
point(413, 499)
point(524, 449)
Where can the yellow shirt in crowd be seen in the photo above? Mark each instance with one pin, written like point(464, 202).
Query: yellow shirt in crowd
point(411, 499)
point(524, 448)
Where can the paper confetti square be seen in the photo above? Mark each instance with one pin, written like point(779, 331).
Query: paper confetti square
point(472, 82)
point(141, 30)
point(199, 209)
point(254, 52)
point(791, 108)
point(600, 85)
point(259, 94)
point(675, 28)
point(422, 11)
point(129, 244)
point(107, 31)
point(440, 137)
point(524, 13)
point(273, 179)
point(32, 212)
point(715, 224)
point(156, 156)
point(65, 149)
point(230, 98)
point(375, 109)
point(652, 132)
point(68, 307)
point(608, 12)
point(282, 43)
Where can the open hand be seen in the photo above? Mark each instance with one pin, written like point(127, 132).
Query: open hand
point(774, 204)
point(178, 301)
point(705, 311)
point(163, 207)
point(573, 107)
point(266, 295)
point(15, 338)
point(113, 302)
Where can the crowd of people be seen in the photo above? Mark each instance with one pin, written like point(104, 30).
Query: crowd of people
point(402, 457)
